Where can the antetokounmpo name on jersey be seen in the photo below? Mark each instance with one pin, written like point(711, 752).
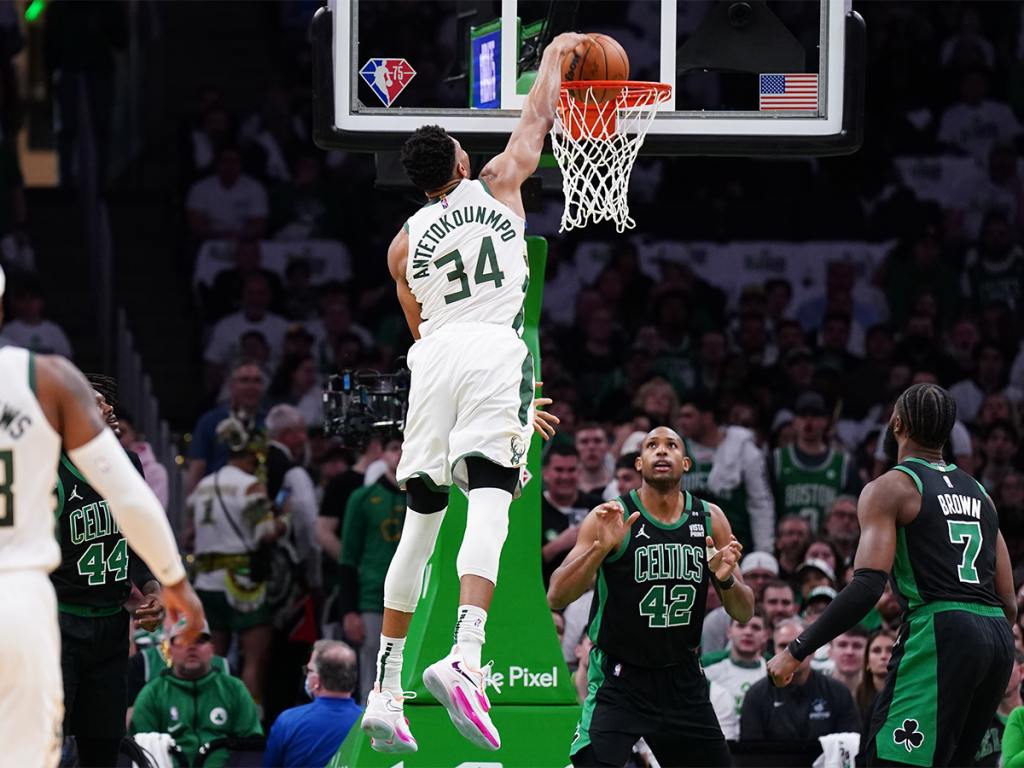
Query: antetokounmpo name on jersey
point(957, 504)
point(653, 562)
point(93, 521)
point(449, 222)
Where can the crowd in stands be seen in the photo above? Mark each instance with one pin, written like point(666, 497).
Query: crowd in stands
point(783, 401)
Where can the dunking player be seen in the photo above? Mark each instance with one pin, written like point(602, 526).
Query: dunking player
point(935, 528)
point(93, 582)
point(47, 404)
point(461, 272)
point(653, 553)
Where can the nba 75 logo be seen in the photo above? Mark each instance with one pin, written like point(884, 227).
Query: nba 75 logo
point(387, 77)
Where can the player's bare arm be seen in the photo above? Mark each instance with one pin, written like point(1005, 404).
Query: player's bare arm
point(601, 532)
point(737, 598)
point(1004, 580)
point(398, 257)
point(505, 174)
point(885, 502)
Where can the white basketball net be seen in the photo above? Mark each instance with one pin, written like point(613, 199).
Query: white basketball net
point(595, 144)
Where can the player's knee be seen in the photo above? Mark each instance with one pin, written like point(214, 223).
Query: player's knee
point(483, 473)
point(423, 499)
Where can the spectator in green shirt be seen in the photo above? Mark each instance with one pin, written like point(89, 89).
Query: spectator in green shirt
point(374, 516)
point(1010, 715)
point(195, 702)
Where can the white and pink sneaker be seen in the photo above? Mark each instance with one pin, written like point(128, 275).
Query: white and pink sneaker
point(461, 691)
point(384, 721)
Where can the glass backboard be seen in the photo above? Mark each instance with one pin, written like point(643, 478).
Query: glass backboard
point(748, 77)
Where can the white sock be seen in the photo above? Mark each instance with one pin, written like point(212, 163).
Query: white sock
point(469, 634)
point(389, 664)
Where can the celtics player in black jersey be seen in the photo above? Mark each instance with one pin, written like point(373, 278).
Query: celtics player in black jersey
point(653, 553)
point(92, 583)
point(936, 530)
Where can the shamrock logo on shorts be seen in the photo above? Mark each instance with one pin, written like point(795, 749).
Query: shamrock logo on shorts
point(908, 735)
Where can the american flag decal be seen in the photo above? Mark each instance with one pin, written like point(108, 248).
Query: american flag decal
point(788, 92)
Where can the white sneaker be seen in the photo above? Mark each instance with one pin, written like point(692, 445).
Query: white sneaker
point(461, 691)
point(384, 721)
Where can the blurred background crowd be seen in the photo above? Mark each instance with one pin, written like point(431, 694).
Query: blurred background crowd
point(251, 265)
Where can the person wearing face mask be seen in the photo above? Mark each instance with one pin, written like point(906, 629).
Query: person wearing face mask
point(312, 733)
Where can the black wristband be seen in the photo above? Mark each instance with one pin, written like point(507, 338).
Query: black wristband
point(727, 584)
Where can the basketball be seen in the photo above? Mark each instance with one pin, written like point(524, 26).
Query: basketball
point(603, 59)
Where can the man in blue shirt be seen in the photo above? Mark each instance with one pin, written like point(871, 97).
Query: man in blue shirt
point(310, 735)
point(206, 454)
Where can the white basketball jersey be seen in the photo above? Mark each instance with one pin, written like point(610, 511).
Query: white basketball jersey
point(467, 260)
point(29, 452)
point(214, 533)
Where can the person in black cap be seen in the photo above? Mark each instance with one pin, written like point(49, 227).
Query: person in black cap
point(808, 475)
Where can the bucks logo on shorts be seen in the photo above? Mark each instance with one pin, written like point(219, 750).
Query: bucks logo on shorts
point(518, 448)
point(908, 735)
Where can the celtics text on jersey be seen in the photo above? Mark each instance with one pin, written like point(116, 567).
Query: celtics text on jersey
point(651, 592)
point(95, 556)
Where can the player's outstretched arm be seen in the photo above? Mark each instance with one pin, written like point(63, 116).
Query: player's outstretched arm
point(737, 598)
point(505, 173)
point(69, 404)
point(877, 511)
point(601, 533)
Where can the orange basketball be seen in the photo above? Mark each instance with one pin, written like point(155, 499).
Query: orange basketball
point(603, 59)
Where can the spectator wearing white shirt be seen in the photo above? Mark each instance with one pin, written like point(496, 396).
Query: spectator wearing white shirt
point(733, 675)
point(228, 204)
point(975, 123)
point(989, 376)
point(998, 189)
point(225, 345)
point(30, 329)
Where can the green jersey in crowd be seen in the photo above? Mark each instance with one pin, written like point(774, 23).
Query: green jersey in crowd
point(195, 712)
point(807, 485)
point(374, 517)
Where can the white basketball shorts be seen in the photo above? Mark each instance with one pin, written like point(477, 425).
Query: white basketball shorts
point(31, 686)
point(471, 394)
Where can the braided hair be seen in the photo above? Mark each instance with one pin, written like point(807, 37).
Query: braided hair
point(429, 157)
point(928, 412)
point(105, 385)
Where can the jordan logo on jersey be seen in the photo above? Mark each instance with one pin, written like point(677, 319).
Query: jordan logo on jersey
point(74, 494)
point(642, 534)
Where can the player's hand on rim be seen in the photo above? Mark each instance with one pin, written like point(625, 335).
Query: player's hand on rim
point(611, 527)
point(723, 562)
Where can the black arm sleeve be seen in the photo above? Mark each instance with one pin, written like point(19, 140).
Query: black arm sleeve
point(348, 590)
point(850, 606)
